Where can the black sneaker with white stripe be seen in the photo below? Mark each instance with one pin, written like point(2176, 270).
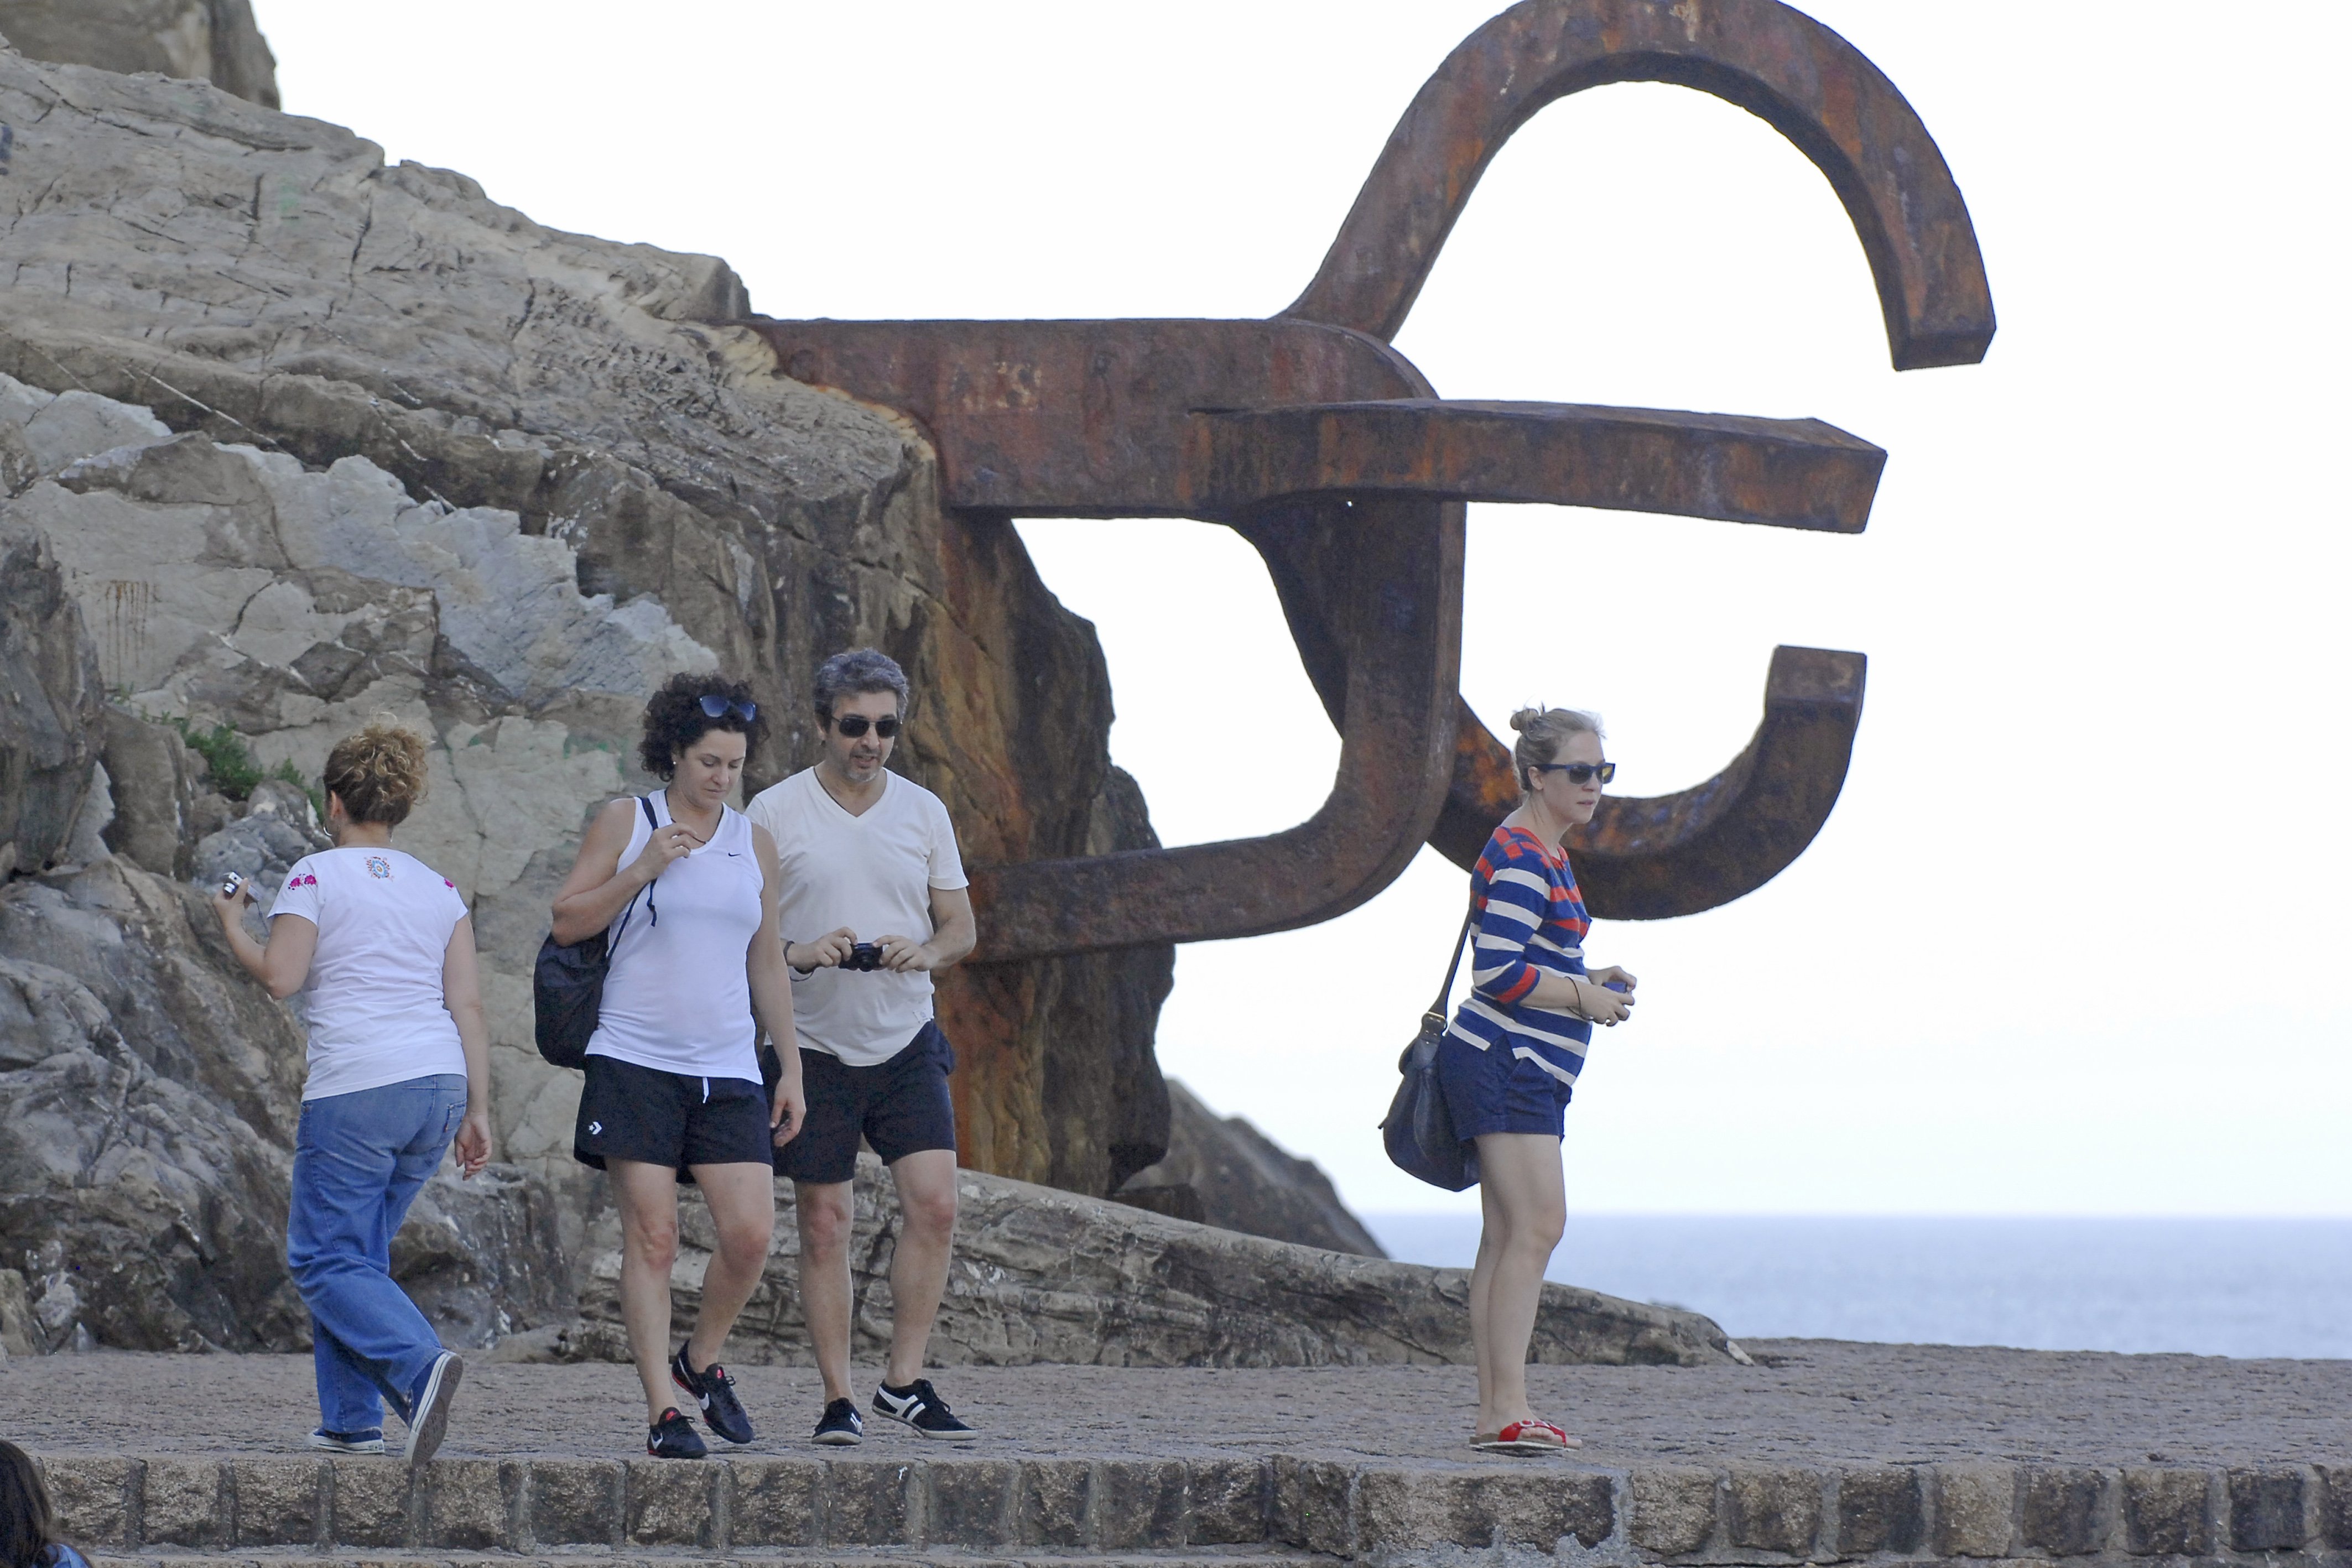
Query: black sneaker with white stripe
point(840, 1426)
point(919, 1406)
point(714, 1390)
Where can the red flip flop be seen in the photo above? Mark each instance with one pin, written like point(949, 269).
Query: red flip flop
point(1527, 1437)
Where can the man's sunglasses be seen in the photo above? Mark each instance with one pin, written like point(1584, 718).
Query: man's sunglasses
point(1578, 772)
point(719, 707)
point(854, 725)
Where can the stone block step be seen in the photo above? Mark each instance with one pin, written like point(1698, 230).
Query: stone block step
point(1227, 1557)
point(550, 1510)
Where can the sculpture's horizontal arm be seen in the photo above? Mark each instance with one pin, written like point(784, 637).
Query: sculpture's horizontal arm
point(1792, 473)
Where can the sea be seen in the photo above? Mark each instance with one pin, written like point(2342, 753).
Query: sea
point(2197, 1286)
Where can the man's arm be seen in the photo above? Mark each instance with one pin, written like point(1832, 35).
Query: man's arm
point(953, 929)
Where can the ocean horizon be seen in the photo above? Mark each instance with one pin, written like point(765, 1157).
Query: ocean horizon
point(2204, 1286)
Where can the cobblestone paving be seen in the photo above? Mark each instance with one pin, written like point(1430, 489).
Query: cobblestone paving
point(1809, 1402)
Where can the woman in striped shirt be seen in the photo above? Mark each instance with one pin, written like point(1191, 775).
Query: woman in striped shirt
point(1511, 1055)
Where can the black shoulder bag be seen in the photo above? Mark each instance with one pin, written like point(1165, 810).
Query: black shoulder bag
point(567, 984)
point(1418, 1129)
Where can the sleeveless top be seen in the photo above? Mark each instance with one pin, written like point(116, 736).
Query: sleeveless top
point(678, 996)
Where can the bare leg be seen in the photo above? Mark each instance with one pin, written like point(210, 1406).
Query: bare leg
point(743, 1199)
point(1482, 1290)
point(825, 1212)
point(648, 1197)
point(919, 1270)
point(1525, 1203)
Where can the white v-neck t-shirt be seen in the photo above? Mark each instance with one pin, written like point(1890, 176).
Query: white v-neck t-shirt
point(873, 872)
point(374, 995)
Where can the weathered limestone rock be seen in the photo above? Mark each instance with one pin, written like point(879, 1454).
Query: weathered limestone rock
point(1222, 1171)
point(1042, 1275)
point(213, 39)
point(50, 702)
point(153, 784)
point(499, 480)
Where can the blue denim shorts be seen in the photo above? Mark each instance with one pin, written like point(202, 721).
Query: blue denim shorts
point(1492, 1091)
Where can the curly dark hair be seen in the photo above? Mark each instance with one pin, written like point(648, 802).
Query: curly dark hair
point(675, 720)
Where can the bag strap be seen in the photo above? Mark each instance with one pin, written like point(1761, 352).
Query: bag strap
point(646, 803)
point(1436, 1013)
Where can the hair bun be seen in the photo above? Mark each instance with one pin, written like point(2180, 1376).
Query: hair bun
point(1526, 716)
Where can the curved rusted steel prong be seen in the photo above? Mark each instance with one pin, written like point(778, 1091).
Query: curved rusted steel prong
point(1810, 85)
point(1654, 858)
point(1788, 473)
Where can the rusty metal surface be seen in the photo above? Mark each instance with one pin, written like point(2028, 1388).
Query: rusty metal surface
point(1779, 63)
point(1320, 444)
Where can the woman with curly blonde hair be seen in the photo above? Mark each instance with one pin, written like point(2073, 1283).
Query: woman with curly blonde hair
point(383, 947)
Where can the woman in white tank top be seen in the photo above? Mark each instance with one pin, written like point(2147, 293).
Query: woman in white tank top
point(684, 886)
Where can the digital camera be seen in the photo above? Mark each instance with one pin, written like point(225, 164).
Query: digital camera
point(863, 957)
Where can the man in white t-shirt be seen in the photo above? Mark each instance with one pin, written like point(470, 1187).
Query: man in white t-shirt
point(874, 902)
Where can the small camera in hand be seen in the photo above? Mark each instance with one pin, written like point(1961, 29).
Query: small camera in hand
point(864, 957)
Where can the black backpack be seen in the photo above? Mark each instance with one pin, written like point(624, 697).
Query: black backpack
point(567, 984)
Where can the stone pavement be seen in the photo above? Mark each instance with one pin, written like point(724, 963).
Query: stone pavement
point(1820, 1452)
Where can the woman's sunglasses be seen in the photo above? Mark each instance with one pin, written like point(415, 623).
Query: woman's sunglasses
point(854, 725)
point(1578, 772)
point(719, 707)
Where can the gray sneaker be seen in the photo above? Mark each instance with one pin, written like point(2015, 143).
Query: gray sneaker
point(368, 1442)
point(429, 1418)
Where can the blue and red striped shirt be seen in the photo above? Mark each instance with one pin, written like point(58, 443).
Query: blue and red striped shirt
point(1532, 927)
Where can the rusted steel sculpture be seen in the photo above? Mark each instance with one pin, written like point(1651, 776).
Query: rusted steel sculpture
point(1320, 444)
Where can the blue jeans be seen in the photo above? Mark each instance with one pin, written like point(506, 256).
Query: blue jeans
point(359, 1160)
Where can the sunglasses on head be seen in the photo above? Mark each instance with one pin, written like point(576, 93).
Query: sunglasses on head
point(1578, 772)
point(854, 725)
point(719, 707)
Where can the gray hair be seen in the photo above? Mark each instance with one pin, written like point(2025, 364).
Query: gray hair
point(1541, 729)
point(858, 670)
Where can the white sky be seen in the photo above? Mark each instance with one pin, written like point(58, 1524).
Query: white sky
point(2063, 946)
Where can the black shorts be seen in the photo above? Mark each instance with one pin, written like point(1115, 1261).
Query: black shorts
point(900, 1106)
point(632, 1113)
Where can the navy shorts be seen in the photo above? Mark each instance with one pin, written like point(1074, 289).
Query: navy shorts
point(632, 1113)
point(1492, 1091)
point(900, 1106)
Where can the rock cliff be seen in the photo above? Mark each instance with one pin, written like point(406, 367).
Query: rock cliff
point(1222, 1171)
point(316, 437)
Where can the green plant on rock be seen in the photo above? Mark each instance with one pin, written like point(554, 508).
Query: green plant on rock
point(227, 759)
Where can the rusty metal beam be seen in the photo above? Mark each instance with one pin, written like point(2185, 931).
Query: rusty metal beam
point(1653, 858)
point(1790, 472)
point(1807, 83)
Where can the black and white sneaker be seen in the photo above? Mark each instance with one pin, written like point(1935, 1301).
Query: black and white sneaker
point(429, 1417)
point(919, 1406)
point(840, 1426)
point(674, 1437)
point(368, 1442)
point(715, 1392)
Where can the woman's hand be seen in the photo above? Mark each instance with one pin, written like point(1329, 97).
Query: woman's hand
point(1601, 1005)
point(667, 844)
point(1613, 975)
point(473, 1142)
point(230, 903)
point(789, 1109)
